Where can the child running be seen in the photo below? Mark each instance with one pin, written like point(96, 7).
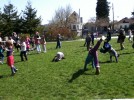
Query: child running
point(10, 57)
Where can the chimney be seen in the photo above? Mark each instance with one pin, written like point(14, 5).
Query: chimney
point(79, 17)
point(79, 12)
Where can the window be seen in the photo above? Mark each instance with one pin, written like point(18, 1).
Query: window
point(74, 27)
point(120, 26)
point(77, 26)
point(125, 26)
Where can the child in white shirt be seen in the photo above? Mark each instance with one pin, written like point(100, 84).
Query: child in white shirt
point(59, 56)
point(23, 50)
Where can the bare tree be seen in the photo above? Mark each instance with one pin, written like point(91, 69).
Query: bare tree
point(68, 11)
point(62, 16)
point(61, 22)
point(92, 20)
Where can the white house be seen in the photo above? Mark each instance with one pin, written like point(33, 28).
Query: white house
point(124, 23)
point(76, 23)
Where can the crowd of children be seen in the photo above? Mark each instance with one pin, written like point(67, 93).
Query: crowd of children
point(24, 44)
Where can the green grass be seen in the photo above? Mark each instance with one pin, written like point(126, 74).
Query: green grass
point(40, 79)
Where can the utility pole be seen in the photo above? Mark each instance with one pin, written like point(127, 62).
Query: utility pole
point(113, 16)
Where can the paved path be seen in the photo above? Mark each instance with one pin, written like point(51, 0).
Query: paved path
point(113, 37)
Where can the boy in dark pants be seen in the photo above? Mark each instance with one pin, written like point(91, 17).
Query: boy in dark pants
point(23, 50)
point(93, 57)
point(92, 38)
point(58, 41)
point(88, 40)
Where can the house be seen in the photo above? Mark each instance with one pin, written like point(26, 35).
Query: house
point(99, 26)
point(76, 23)
point(88, 28)
point(124, 23)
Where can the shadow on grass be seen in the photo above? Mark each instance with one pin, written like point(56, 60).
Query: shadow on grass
point(20, 61)
point(80, 51)
point(118, 50)
point(83, 46)
point(77, 74)
point(104, 62)
point(126, 53)
point(5, 76)
point(30, 54)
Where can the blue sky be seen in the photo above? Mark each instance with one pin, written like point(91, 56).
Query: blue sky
point(46, 8)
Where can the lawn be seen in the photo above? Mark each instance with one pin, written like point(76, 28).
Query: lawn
point(40, 79)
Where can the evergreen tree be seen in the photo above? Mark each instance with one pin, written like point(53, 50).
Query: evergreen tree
point(18, 26)
point(1, 22)
point(102, 9)
point(31, 21)
point(9, 17)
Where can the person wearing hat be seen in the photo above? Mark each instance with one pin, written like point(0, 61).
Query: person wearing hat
point(93, 57)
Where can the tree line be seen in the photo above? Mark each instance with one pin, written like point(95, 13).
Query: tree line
point(24, 22)
point(28, 22)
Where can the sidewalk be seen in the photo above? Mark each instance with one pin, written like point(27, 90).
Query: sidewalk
point(113, 37)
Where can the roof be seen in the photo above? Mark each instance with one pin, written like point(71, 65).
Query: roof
point(126, 20)
point(74, 18)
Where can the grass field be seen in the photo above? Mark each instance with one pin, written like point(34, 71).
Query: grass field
point(40, 79)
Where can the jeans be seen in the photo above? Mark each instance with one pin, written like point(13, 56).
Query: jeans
point(38, 48)
point(23, 53)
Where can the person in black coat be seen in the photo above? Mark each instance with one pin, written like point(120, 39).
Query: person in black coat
point(108, 35)
point(121, 38)
point(58, 41)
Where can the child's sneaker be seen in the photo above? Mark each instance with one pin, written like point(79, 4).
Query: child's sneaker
point(85, 69)
point(16, 70)
point(1, 62)
point(12, 74)
point(97, 72)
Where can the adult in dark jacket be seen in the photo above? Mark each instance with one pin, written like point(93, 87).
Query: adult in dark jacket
point(58, 41)
point(88, 41)
point(108, 35)
point(121, 38)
